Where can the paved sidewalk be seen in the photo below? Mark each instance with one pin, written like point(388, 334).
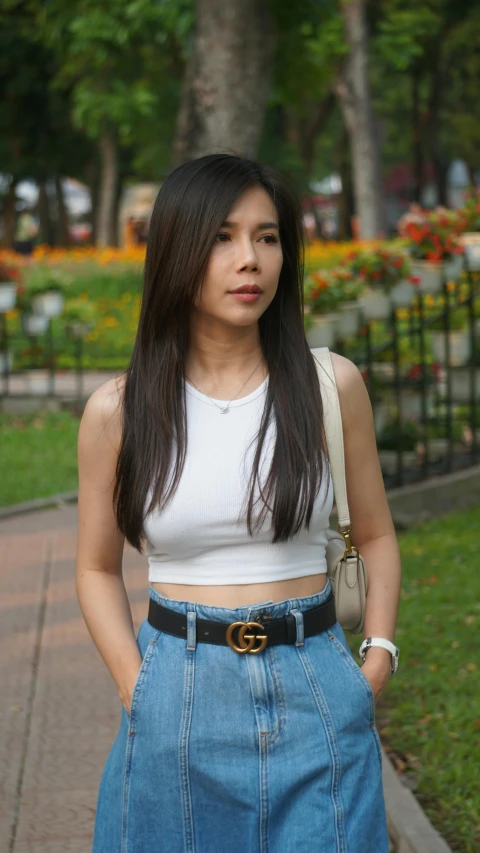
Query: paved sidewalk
point(59, 710)
point(36, 383)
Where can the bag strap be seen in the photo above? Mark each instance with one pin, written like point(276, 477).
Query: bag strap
point(333, 433)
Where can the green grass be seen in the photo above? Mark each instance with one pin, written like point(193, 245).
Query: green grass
point(429, 717)
point(38, 455)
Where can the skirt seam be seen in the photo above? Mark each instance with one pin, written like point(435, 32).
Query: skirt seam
point(183, 752)
point(333, 746)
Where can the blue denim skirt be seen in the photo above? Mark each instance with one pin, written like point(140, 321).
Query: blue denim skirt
point(274, 752)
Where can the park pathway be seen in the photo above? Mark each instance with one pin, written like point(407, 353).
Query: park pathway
point(59, 710)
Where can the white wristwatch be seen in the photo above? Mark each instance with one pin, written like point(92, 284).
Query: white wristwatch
point(385, 644)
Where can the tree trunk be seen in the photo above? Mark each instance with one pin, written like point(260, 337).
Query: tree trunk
point(63, 231)
point(44, 215)
point(312, 130)
point(9, 216)
point(108, 189)
point(417, 150)
point(346, 199)
point(227, 80)
point(92, 180)
point(471, 177)
point(118, 198)
point(437, 88)
point(353, 91)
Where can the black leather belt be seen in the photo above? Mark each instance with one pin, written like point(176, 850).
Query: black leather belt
point(242, 636)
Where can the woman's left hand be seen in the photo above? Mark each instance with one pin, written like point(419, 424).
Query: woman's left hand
point(377, 669)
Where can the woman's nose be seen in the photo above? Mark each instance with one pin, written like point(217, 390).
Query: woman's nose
point(247, 256)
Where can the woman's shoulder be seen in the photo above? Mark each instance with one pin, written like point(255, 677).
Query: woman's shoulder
point(347, 374)
point(352, 391)
point(103, 414)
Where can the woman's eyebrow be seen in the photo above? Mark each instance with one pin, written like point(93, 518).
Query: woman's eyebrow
point(260, 226)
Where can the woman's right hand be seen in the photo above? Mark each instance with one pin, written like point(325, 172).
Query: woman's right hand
point(125, 691)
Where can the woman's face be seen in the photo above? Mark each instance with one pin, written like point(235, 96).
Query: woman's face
point(247, 251)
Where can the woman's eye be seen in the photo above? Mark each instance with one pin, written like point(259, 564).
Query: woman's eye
point(270, 238)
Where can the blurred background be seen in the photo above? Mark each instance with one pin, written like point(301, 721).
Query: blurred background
point(101, 100)
point(370, 108)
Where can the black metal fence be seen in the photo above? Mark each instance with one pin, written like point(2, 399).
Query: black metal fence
point(433, 395)
point(43, 357)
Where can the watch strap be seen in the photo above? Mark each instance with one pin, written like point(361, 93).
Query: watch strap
point(384, 644)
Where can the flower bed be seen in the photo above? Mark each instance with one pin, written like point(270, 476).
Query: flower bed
point(104, 296)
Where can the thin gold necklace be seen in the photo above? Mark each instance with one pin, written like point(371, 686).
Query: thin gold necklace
point(224, 409)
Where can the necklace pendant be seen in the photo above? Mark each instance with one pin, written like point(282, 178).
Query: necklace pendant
point(224, 411)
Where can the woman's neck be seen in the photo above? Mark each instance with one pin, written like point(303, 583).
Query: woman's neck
point(221, 361)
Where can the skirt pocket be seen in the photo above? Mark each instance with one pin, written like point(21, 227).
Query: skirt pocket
point(340, 646)
point(344, 653)
point(146, 641)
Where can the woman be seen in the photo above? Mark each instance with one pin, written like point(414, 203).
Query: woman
point(228, 736)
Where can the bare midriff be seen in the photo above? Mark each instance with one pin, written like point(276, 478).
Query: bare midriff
point(239, 595)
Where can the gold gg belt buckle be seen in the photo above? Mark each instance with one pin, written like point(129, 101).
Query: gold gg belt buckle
point(242, 636)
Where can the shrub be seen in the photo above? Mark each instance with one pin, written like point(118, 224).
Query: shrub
point(379, 268)
point(406, 433)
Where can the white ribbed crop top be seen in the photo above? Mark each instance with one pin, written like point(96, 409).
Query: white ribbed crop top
point(198, 538)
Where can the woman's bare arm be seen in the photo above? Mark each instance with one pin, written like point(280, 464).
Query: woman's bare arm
point(99, 582)
point(372, 528)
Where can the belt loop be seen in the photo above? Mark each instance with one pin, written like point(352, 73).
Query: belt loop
point(191, 630)
point(299, 626)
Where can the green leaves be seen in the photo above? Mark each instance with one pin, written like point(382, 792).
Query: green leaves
point(115, 58)
point(404, 33)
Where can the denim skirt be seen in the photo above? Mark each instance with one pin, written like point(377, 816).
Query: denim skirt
point(274, 752)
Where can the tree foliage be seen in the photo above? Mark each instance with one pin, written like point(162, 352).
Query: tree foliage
point(124, 62)
point(72, 70)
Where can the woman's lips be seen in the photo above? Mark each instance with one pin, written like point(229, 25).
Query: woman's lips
point(246, 297)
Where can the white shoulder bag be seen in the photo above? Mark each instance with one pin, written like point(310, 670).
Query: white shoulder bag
point(345, 565)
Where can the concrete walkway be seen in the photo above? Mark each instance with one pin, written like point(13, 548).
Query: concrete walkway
point(29, 389)
point(59, 710)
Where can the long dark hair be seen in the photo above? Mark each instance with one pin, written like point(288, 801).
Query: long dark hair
point(192, 203)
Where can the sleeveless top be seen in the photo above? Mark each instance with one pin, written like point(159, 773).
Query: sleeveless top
point(200, 537)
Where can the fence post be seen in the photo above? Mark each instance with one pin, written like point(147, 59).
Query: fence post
point(474, 365)
point(6, 381)
point(448, 365)
point(398, 394)
point(424, 384)
point(51, 358)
